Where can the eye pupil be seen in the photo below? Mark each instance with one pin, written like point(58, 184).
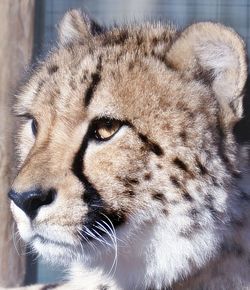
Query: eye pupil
point(34, 127)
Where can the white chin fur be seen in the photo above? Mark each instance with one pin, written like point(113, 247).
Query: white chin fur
point(151, 250)
point(54, 253)
point(157, 256)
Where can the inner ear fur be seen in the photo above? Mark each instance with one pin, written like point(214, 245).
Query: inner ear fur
point(212, 49)
point(76, 26)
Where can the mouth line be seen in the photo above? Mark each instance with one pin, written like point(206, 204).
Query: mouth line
point(48, 241)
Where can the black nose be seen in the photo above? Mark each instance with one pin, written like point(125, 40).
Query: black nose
point(31, 201)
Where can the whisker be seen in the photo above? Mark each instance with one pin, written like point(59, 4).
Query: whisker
point(14, 233)
point(108, 244)
point(87, 240)
point(113, 237)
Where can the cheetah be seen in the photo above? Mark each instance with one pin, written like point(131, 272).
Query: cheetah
point(130, 171)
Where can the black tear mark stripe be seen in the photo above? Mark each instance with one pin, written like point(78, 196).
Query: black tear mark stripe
point(152, 146)
point(95, 80)
point(97, 208)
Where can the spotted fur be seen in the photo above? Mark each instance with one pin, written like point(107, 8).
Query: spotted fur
point(164, 202)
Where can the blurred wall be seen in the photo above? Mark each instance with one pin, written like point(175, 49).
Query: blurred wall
point(16, 42)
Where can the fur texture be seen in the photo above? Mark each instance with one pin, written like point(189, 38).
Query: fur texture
point(163, 202)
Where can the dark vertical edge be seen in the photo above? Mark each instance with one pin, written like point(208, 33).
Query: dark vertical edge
point(31, 267)
point(39, 28)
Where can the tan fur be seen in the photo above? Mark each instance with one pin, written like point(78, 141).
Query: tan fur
point(174, 163)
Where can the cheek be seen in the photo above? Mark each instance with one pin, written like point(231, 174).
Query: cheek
point(116, 171)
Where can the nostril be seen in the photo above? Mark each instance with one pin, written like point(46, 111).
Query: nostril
point(31, 201)
point(45, 198)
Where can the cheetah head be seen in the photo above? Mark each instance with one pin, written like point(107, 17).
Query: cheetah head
point(126, 147)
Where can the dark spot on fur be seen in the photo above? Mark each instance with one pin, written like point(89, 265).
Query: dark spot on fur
point(119, 39)
point(175, 181)
point(52, 69)
point(182, 106)
point(191, 115)
point(148, 176)
point(209, 198)
point(159, 166)
point(84, 76)
point(127, 181)
point(194, 213)
point(152, 146)
point(139, 40)
point(215, 182)
point(187, 196)
point(180, 164)
point(166, 127)
point(129, 193)
point(155, 40)
point(190, 231)
point(132, 180)
point(95, 79)
point(72, 84)
point(131, 65)
point(165, 212)
point(159, 196)
point(203, 169)
point(183, 136)
point(40, 85)
point(204, 76)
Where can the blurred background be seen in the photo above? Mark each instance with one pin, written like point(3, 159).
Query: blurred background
point(47, 13)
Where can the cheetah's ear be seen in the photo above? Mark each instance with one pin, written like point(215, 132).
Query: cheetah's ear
point(217, 54)
point(76, 26)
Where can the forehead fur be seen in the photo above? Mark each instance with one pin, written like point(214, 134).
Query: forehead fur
point(76, 63)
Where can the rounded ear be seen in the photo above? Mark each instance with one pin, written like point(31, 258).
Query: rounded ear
point(76, 26)
point(217, 54)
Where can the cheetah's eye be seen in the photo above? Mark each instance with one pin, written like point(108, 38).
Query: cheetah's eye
point(34, 126)
point(106, 128)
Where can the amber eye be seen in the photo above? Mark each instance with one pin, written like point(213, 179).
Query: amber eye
point(106, 128)
point(34, 126)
